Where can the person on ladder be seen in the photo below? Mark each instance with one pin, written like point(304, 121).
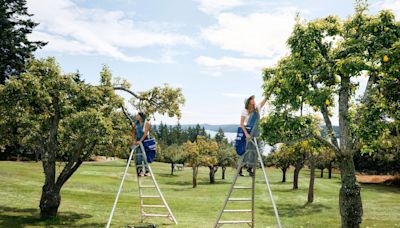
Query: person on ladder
point(251, 116)
point(139, 134)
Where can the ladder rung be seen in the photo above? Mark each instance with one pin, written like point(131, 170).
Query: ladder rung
point(149, 196)
point(233, 222)
point(237, 211)
point(155, 215)
point(147, 186)
point(241, 187)
point(154, 206)
point(239, 199)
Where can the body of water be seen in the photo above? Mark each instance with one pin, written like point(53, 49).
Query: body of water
point(232, 136)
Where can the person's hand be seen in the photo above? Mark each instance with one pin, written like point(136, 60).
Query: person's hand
point(248, 136)
point(137, 142)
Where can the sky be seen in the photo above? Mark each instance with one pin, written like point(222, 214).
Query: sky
point(214, 50)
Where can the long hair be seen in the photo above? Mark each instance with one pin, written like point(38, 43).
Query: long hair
point(247, 104)
point(143, 116)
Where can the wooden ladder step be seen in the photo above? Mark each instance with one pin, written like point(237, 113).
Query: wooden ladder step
point(149, 196)
point(155, 215)
point(237, 211)
point(234, 222)
point(154, 206)
point(240, 199)
point(241, 187)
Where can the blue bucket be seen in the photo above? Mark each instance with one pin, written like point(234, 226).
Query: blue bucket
point(240, 142)
point(150, 149)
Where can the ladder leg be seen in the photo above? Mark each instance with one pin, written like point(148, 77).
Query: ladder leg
point(267, 182)
point(253, 183)
point(120, 188)
point(155, 183)
point(142, 217)
point(240, 164)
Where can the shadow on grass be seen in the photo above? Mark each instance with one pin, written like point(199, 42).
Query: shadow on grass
point(290, 210)
point(21, 217)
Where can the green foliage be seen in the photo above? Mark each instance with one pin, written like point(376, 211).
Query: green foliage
point(15, 49)
point(280, 157)
point(281, 127)
point(220, 137)
point(327, 54)
point(162, 100)
point(169, 135)
point(226, 155)
point(174, 154)
point(30, 103)
point(202, 152)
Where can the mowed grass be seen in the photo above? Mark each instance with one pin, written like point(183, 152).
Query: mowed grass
point(88, 196)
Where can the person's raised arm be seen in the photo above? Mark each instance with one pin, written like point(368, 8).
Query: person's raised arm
point(262, 103)
point(244, 127)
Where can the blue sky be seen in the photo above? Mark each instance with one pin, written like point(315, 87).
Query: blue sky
point(213, 49)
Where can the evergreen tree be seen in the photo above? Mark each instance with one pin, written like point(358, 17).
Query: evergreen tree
point(15, 48)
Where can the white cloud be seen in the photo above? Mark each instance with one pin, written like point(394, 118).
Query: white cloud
point(256, 34)
point(393, 5)
point(70, 28)
point(232, 63)
point(215, 7)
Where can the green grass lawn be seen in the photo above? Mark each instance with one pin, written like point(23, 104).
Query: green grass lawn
point(88, 196)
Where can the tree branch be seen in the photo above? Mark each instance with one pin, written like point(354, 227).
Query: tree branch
point(49, 154)
point(65, 173)
point(327, 143)
point(127, 90)
point(131, 122)
point(365, 100)
point(327, 120)
point(133, 94)
point(317, 137)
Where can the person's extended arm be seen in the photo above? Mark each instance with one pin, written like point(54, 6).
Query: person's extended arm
point(262, 103)
point(244, 127)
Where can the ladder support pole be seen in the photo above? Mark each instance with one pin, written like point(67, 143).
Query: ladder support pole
point(155, 183)
point(120, 188)
point(253, 186)
point(240, 164)
point(268, 186)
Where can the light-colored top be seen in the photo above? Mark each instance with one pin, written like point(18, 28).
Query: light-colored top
point(247, 115)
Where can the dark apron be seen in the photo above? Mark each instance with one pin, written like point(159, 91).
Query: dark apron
point(250, 157)
point(139, 156)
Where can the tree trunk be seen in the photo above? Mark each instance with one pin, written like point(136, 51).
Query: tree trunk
point(310, 197)
point(211, 174)
point(195, 170)
point(50, 199)
point(223, 172)
point(49, 202)
point(322, 173)
point(283, 175)
point(213, 170)
point(349, 197)
point(172, 168)
point(330, 170)
point(296, 177)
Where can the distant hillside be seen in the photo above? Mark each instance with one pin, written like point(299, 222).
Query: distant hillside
point(232, 128)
